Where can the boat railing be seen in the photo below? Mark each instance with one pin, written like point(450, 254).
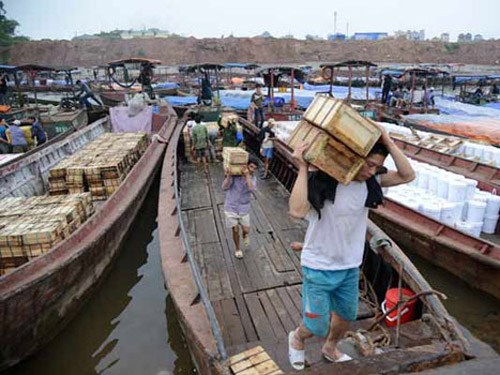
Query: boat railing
point(216, 331)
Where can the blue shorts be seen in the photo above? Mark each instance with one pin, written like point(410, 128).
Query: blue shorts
point(267, 153)
point(326, 291)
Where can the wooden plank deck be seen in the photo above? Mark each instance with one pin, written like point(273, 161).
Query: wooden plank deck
point(257, 299)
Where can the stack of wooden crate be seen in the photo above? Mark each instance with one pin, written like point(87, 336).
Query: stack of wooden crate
point(100, 166)
point(338, 138)
point(234, 159)
point(30, 227)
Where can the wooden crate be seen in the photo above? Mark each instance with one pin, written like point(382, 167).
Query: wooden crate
point(254, 361)
point(235, 155)
point(344, 123)
point(326, 153)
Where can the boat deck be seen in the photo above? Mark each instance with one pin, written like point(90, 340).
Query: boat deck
point(257, 300)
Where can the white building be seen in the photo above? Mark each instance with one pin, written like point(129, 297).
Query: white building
point(445, 37)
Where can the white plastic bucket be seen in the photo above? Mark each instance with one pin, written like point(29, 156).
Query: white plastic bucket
point(490, 224)
point(475, 211)
point(465, 227)
point(413, 204)
point(493, 206)
point(488, 154)
point(479, 152)
point(443, 186)
point(476, 228)
point(471, 188)
point(434, 182)
point(457, 211)
point(432, 209)
point(423, 179)
point(457, 191)
point(448, 213)
point(469, 150)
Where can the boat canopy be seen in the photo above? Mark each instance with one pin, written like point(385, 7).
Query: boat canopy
point(348, 63)
point(203, 67)
point(280, 70)
point(462, 78)
point(246, 66)
point(133, 60)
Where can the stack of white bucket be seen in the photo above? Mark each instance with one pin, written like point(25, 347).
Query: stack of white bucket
point(449, 198)
point(484, 153)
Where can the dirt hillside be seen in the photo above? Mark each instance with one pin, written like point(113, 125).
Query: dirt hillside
point(192, 50)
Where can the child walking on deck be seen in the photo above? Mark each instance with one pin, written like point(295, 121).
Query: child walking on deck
point(237, 205)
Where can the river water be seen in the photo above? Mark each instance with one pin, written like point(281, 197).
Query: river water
point(129, 325)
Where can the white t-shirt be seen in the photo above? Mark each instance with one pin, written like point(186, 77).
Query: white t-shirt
point(337, 240)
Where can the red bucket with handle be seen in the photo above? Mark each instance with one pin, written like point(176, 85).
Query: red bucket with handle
point(407, 310)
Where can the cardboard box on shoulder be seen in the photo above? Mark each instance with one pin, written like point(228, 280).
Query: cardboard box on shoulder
point(344, 123)
point(234, 159)
point(326, 153)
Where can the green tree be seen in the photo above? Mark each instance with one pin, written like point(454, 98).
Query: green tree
point(7, 37)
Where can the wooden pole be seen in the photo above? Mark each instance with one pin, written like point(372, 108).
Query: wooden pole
point(367, 84)
point(350, 83)
point(331, 80)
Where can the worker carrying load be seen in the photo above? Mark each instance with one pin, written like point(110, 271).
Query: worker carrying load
point(348, 154)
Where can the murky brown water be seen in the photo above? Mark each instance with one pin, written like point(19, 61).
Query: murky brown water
point(474, 309)
point(129, 326)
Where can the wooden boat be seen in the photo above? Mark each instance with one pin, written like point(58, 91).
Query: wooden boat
point(227, 306)
point(40, 297)
point(58, 128)
point(488, 176)
point(477, 259)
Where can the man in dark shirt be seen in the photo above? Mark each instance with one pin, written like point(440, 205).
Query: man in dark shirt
point(37, 131)
point(84, 93)
point(386, 88)
point(257, 103)
point(3, 89)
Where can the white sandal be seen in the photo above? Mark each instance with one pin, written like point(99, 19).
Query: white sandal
point(344, 357)
point(296, 357)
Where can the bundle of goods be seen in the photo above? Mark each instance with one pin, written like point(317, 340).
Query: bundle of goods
point(338, 137)
point(228, 118)
point(234, 159)
point(30, 227)
point(449, 198)
point(100, 166)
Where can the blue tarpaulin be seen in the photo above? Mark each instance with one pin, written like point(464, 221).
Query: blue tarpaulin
point(167, 85)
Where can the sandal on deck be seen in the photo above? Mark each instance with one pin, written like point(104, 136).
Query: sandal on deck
point(238, 254)
point(344, 357)
point(296, 357)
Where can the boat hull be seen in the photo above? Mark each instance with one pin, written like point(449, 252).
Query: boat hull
point(40, 297)
point(474, 260)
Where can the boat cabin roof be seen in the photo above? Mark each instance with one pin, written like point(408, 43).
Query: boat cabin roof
point(348, 63)
point(133, 60)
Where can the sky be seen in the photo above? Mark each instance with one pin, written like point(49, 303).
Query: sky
point(63, 19)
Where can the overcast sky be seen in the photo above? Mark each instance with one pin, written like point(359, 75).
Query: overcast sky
point(63, 19)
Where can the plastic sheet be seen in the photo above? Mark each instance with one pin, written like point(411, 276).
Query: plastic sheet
point(122, 122)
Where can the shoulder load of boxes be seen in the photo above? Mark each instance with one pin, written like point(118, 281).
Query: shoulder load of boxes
point(100, 166)
point(31, 226)
point(449, 198)
point(234, 159)
point(338, 138)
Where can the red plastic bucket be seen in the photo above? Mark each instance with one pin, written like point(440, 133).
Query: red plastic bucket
point(407, 311)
